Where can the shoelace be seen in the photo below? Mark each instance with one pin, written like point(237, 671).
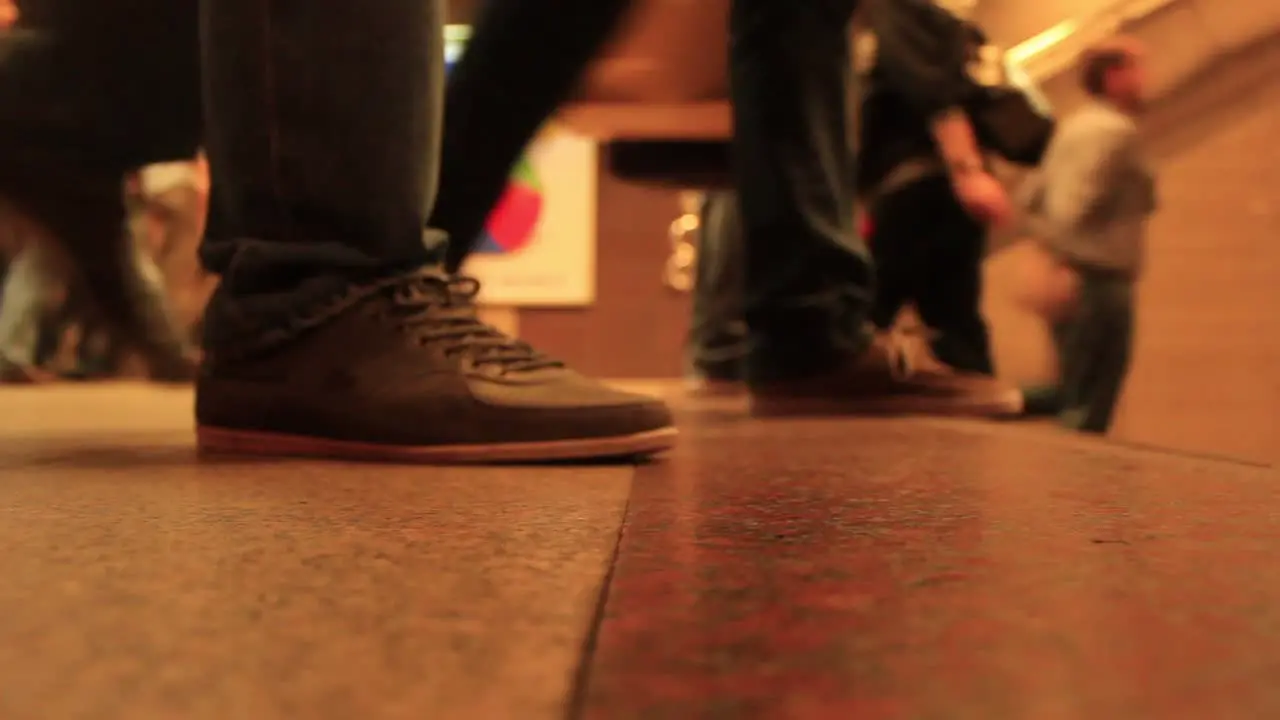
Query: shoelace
point(442, 309)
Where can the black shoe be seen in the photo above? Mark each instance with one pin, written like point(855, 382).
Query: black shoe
point(408, 373)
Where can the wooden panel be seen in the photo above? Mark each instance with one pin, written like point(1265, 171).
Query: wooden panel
point(631, 121)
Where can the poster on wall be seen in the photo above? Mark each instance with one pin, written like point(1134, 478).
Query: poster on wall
point(538, 246)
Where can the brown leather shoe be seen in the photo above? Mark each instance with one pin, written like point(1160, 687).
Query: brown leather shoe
point(890, 378)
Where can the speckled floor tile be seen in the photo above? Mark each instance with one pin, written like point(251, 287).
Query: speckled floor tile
point(136, 583)
point(882, 569)
point(868, 569)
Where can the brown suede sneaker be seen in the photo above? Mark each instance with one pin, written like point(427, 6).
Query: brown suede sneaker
point(407, 373)
point(889, 379)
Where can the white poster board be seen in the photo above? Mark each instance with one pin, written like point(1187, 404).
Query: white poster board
point(539, 246)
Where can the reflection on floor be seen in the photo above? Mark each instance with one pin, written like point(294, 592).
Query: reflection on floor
point(780, 569)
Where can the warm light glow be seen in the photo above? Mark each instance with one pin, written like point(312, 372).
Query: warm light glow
point(455, 39)
point(1024, 51)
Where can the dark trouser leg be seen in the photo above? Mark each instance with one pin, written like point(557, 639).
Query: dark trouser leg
point(898, 251)
point(1094, 350)
point(523, 60)
point(929, 252)
point(717, 334)
point(808, 278)
point(949, 292)
point(327, 336)
point(322, 130)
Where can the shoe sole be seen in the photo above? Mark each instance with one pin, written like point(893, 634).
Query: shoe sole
point(223, 441)
point(1005, 406)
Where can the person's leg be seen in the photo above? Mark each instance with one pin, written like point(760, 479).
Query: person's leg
point(900, 233)
point(173, 217)
point(87, 91)
point(24, 306)
point(1047, 399)
point(1101, 346)
point(95, 354)
point(948, 291)
point(716, 346)
point(328, 335)
point(809, 279)
point(523, 59)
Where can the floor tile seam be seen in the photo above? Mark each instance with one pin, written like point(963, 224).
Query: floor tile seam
point(1104, 445)
point(580, 688)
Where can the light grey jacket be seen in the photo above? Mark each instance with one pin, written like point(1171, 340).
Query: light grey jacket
point(1090, 199)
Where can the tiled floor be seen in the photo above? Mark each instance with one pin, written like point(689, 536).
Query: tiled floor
point(800, 569)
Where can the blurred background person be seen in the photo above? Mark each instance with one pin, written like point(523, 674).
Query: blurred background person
point(167, 204)
point(29, 297)
point(88, 252)
point(172, 202)
point(1088, 206)
point(10, 231)
point(929, 243)
point(928, 246)
point(716, 347)
point(49, 325)
point(808, 278)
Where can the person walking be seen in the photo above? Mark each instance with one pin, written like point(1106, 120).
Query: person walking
point(1093, 197)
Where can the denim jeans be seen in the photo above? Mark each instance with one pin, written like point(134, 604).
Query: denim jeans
point(321, 120)
point(716, 348)
point(808, 278)
point(1094, 345)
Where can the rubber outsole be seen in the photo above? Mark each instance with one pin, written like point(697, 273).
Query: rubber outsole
point(222, 441)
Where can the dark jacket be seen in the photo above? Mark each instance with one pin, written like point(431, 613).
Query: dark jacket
point(921, 69)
